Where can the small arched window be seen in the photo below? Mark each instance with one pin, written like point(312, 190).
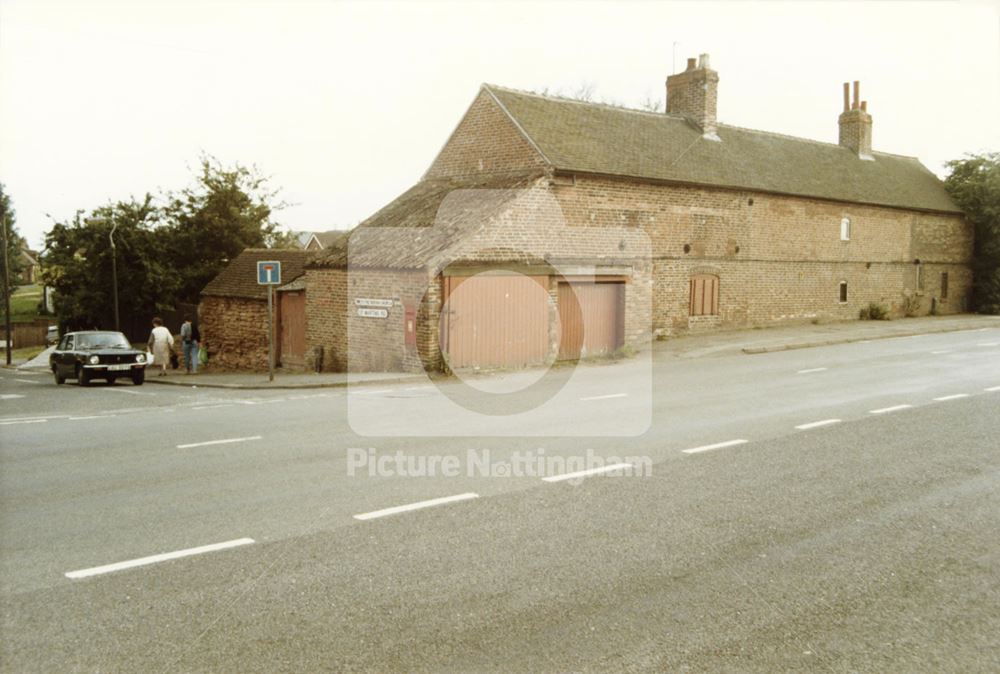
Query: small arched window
point(845, 229)
point(704, 295)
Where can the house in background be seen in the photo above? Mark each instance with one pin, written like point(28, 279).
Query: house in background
point(321, 240)
point(549, 228)
point(29, 266)
point(232, 314)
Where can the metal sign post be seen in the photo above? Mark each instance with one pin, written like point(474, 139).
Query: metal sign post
point(269, 274)
point(270, 333)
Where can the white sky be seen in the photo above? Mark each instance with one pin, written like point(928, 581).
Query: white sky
point(346, 104)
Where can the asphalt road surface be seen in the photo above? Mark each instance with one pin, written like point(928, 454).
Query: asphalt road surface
point(825, 509)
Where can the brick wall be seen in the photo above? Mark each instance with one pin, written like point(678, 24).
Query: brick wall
point(357, 343)
point(486, 141)
point(779, 258)
point(234, 330)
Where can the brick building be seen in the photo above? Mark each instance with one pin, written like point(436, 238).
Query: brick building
point(232, 314)
point(549, 228)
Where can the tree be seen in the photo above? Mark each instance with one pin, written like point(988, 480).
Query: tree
point(974, 184)
point(8, 218)
point(228, 209)
point(78, 266)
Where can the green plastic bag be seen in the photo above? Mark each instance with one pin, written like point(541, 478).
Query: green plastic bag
point(203, 355)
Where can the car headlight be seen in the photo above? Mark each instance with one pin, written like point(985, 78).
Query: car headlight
point(93, 360)
point(140, 358)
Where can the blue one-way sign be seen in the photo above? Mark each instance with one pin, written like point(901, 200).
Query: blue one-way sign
point(268, 272)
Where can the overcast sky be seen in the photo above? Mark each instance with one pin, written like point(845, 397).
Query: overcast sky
point(346, 104)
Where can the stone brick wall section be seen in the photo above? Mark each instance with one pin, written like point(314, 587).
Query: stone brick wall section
point(485, 141)
point(351, 342)
point(779, 258)
point(234, 330)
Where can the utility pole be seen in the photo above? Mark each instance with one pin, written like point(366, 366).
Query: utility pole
point(6, 285)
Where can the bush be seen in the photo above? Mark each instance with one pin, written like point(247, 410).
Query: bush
point(911, 306)
point(874, 312)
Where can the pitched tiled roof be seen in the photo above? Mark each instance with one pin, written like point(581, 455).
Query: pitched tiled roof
point(414, 229)
point(332, 238)
point(239, 278)
point(596, 138)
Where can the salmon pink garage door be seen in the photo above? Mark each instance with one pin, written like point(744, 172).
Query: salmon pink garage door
point(495, 320)
point(591, 319)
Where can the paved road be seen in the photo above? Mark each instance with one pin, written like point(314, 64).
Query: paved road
point(854, 529)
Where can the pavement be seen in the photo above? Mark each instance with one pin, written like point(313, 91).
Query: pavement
point(712, 344)
point(831, 508)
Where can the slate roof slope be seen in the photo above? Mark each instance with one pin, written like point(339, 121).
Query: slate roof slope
point(239, 278)
point(420, 225)
point(602, 139)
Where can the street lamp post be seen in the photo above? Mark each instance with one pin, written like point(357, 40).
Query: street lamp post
point(114, 273)
point(6, 288)
point(114, 263)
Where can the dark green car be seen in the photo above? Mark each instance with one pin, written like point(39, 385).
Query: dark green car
point(94, 354)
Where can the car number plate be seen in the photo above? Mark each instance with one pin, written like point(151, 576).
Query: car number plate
point(123, 366)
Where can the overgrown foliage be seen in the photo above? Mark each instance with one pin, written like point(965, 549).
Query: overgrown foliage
point(229, 209)
point(78, 264)
point(974, 184)
point(14, 242)
point(874, 312)
point(166, 253)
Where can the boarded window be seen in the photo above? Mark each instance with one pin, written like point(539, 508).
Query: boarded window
point(845, 229)
point(704, 295)
point(944, 285)
point(843, 292)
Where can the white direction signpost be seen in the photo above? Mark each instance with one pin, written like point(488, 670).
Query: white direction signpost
point(269, 274)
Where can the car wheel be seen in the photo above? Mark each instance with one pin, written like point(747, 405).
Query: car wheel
point(59, 379)
point(138, 378)
point(111, 380)
point(82, 376)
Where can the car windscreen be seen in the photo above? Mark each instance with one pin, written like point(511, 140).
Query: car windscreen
point(102, 340)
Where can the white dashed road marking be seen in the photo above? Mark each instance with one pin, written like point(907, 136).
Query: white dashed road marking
point(894, 408)
point(10, 396)
point(938, 353)
point(23, 421)
point(983, 344)
point(153, 559)
point(415, 506)
point(28, 381)
point(218, 442)
point(718, 445)
point(817, 424)
point(587, 473)
point(992, 388)
point(952, 397)
point(606, 397)
point(812, 369)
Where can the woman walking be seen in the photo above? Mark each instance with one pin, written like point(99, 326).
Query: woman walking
point(161, 343)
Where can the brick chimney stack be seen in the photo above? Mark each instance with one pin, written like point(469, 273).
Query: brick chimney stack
point(694, 94)
point(856, 124)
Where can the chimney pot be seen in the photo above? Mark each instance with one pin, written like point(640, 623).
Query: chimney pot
point(864, 106)
point(692, 64)
point(857, 94)
point(847, 96)
point(703, 61)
